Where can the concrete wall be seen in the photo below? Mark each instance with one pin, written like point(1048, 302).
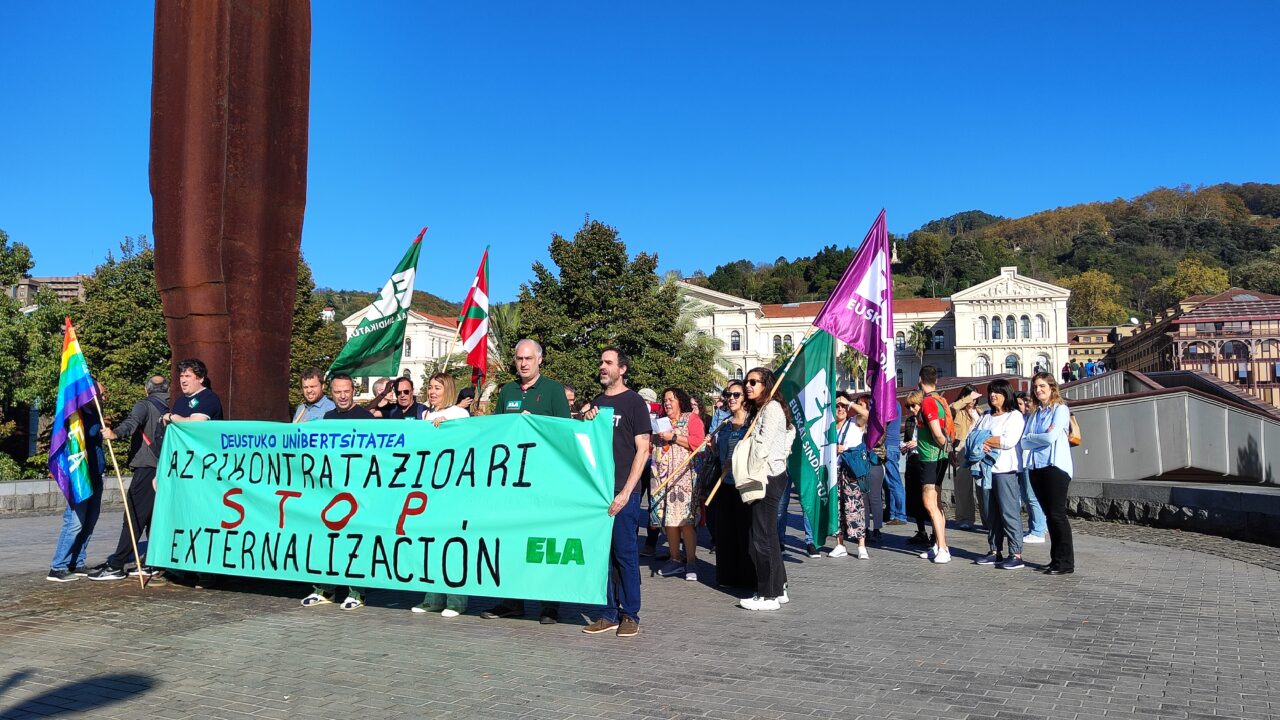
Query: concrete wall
point(43, 496)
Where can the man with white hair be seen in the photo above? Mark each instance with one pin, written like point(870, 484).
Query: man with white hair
point(532, 393)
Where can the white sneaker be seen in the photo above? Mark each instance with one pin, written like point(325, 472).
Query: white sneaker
point(449, 613)
point(862, 554)
point(784, 598)
point(838, 551)
point(943, 556)
point(691, 576)
point(930, 553)
point(749, 603)
point(760, 603)
point(1030, 539)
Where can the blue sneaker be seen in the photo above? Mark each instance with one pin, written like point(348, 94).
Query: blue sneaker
point(1013, 563)
point(990, 559)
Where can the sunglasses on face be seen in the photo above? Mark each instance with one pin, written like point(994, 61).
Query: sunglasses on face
point(753, 382)
point(404, 392)
point(733, 395)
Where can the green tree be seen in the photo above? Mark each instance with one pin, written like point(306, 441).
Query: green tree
point(600, 298)
point(1262, 274)
point(918, 339)
point(1192, 277)
point(853, 363)
point(121, 325)
point(315, 342)
point(15, 260)
point(1095, 299)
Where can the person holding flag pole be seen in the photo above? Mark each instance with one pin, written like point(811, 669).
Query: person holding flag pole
point(76, 461)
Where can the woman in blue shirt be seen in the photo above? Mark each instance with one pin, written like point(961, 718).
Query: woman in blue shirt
point(1049, 459)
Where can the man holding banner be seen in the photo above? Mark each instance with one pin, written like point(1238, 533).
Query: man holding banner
point(631, 430)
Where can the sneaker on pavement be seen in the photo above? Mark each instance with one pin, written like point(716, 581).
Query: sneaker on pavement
point(502, 610)
point(1030, 539)
point(142, 570)
point(1013, 563)
point(896, 521)
point(990, 559)
point(768, 604)
point(600, 626)
point(628, 628)
point(691, 576)
point(78, 571)
point(60, 576)
point(549, 617)
point(449, 613)
point(671, 568)
point(105, 572)
point(351, 603)
point(813, 550)
point(943, 556)
point(862, 554)
point(838, 551)
point(319, 599)
point(930, 553)
point(427, 607)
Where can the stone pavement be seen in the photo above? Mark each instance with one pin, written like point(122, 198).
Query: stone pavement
point(1144, 629)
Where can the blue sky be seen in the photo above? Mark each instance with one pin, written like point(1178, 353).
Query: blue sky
point(705, 132)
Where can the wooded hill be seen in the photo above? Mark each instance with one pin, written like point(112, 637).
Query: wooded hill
point(1119, 257)
point(346, 302)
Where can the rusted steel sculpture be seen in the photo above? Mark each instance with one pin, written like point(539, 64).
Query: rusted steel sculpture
point(229, 103)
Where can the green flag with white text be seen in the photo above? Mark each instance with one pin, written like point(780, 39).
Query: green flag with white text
point(374, 347)
point(809, 391)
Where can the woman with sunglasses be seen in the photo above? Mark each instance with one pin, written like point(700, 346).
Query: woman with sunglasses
point(771, 444)
point(732, 526)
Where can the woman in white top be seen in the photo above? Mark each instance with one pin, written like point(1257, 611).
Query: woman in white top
point(851, 423)
point(1004, 499)
point(770, 442)
point(441, 406)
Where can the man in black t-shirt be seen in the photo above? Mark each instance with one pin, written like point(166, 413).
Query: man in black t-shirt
point(342, 388)
point(197, 402)
point(631, 430)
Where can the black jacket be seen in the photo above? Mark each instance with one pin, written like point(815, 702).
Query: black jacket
point(143, 424)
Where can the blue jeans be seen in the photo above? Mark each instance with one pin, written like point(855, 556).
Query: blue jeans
point(622, 592)
point(1004, 514)
point(783, 504)
point(897, 489)
point(77, 527)
point(1039, 525)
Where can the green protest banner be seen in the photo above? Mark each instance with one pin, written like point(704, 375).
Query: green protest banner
point(505, 506)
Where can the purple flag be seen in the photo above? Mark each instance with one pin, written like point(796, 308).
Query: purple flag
point(860, 312)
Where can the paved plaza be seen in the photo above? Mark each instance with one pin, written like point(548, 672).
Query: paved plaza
point(1155, 624)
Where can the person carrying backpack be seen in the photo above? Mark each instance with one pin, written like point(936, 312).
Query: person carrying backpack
point(146, 432)
point(935, 435)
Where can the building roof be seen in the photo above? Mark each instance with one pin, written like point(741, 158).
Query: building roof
point(900, 305)
point(1232, 305)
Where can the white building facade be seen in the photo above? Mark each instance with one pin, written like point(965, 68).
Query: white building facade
point(1032, 316)
point(1011, 324)
point(427, 339)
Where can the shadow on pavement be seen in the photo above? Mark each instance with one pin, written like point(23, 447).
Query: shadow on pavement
point(77, 697)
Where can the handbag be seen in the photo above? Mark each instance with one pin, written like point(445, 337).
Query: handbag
point(1073, 436)
point(750, 476)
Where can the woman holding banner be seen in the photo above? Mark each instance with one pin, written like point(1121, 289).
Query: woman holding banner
point(732, 526)
point(770, 444)
point(441, 406)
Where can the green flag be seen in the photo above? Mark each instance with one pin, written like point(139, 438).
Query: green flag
point(808, 389)
point(374, 348)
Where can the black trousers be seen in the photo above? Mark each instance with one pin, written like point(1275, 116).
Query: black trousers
point(732, 533)
point(766, 553)
point(915, 492)
point(1050, 486)
point(141, 499)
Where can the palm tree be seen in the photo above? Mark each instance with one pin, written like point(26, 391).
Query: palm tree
point(687, 326)
point(854, 364)
point(918, 339)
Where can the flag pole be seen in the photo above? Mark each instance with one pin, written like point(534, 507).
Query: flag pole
point(777, 383)
point(124, 496)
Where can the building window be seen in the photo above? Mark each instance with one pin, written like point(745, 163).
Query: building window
point(1042, 325)
point(786, 341)
point(900, 341)
point(777, 343)
point(1235, 349)
point(1043, 362)
point(939, 339)
point(1026, 327)
point(1011, 328)
point(995, 327)
point(737, 373)
point(982, 367)
point(735, 340)
point(408, 347)
point(981, 330)
point(1011, 365)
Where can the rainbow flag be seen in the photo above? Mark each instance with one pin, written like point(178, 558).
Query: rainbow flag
point(68, 457)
